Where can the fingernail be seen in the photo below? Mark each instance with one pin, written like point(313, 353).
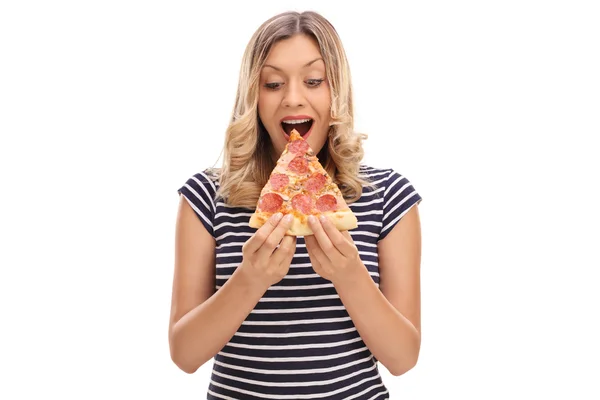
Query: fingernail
point(311, 219)
point(277, 216)
point(288, 218)
point(323, 218)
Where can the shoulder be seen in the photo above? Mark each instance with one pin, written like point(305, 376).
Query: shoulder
point(200, 191)
point(374, 175)
point(206, 180)
point(397, 192)
point(386, 177)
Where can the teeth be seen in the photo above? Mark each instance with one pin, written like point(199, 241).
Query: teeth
point(296, 121)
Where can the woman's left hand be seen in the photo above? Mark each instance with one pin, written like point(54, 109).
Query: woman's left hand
point(333, 254)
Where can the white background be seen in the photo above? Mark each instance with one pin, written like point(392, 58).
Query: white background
point(489, 108)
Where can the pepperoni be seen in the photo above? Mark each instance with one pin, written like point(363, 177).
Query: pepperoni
point(302, 203)
point(315, 182)
point(299, 165)
point(270, 202)
point(298, 146)
point(278, 181)
point(326, 203)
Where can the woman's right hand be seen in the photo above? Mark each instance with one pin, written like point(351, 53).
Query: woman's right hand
point(264, 264)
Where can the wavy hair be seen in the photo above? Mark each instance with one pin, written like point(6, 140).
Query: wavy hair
point(247, 161)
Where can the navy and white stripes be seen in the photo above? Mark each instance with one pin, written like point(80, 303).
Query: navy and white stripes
point(299, 341)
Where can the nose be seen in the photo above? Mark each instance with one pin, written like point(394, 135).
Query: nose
point(293, 96)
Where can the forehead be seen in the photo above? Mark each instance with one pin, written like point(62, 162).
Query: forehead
point(294, 53)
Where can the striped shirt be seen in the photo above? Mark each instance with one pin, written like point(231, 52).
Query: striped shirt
point(299, 341)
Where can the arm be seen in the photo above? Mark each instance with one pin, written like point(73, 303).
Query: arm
point(202, 321)
point(197, 329)
point(387, 318)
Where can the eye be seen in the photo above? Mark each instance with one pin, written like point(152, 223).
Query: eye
point(314, 82)
point(273, 85)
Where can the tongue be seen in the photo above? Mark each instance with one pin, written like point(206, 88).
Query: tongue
point(302, 128)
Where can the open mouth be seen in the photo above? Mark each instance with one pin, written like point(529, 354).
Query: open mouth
point(303, 126)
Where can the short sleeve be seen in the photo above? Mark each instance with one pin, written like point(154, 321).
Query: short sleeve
point(199, 191)
point(398, 198)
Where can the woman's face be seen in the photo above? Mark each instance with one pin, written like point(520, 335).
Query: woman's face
point(294, 93)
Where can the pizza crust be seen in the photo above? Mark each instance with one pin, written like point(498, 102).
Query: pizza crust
point(257, 220)
point(343, 220)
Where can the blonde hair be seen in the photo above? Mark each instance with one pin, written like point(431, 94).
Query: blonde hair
point(247, 161)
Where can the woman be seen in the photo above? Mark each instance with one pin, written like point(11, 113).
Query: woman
point(285, 317)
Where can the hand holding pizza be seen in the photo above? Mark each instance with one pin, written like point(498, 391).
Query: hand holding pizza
point(264, 263)
point(333, 254)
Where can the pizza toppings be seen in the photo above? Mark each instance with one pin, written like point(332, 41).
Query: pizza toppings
point(300, 186)
point(298, 165)
point(315, 183)
point(298, 147)
point(279, 181)
point(326, 203)
point(302, 203)
point(270, 202)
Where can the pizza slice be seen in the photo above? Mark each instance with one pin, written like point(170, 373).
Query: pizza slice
point(299, 185)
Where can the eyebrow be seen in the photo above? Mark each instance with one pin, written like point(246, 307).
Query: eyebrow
point(308, 64)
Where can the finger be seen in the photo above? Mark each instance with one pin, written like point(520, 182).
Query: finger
point(287, 260)
point(342, 242)
point(270, 244)
point(284, 254)
point(321, 236)
point(315, 252)
point(256, 241)
point(317, 266)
